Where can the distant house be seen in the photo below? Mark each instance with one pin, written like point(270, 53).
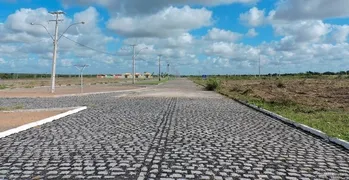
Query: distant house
point(127, 75)
point(100, 76)
point(118, 76)
point(147, 75)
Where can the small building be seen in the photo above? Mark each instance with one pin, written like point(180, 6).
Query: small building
point(127, 75)
point(100, 76)
point(147, 75)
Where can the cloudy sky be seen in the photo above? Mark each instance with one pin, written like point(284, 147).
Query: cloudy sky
point(193, 36)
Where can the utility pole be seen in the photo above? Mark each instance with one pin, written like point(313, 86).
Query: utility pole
point(159, 67)
point(168, 71)
point(134, 64)
point(81, 69)
point(55, 43)
point(259, 65)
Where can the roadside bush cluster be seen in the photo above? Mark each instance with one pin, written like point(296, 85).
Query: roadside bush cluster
point(212, 84)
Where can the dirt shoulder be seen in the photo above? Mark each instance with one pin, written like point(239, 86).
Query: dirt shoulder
point(9, 120)
point(68, 90)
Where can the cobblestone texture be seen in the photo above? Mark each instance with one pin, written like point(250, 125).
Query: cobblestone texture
point(142, 137)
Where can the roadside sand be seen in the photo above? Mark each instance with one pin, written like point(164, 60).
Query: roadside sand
point(9, 120)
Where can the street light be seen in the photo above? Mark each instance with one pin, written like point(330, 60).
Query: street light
point(81, 68)
point(134, 62)
point(55, 44)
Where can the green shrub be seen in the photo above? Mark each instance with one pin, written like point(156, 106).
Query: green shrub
point(212, 84)
point(3, 86)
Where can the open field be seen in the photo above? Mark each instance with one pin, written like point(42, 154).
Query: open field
point(66, 90)
point(40, 82)
point(321, 102)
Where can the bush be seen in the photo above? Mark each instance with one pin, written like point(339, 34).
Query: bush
point(280, 85)
point(212, 84)
point(3, 86)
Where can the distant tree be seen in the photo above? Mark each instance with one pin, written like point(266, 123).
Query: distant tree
point(328, 73)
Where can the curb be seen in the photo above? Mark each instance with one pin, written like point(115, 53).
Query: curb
point(93, 93)
point(40, 110)
point(302, 127)
point(40, 122)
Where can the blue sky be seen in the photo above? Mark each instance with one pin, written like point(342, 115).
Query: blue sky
point(194, 36)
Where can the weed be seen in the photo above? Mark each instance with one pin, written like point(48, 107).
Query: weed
point(279, 84)
point(212, 84)
point(3, 86)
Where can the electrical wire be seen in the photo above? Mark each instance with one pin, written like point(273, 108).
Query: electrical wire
point(93, 49)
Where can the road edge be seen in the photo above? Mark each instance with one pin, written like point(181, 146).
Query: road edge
point(297, 125)
point(40, 122)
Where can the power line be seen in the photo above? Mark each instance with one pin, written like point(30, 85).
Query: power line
point(89, 47)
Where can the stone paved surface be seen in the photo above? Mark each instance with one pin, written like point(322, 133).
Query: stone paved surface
point(170, 132)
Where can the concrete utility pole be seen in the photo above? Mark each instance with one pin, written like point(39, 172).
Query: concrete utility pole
point(259, 65)
point(160, 67)
point(134, 61)
point(81, 69)
point(55, 39)
point(168, 71)
point(134, 64)
point(55, 43)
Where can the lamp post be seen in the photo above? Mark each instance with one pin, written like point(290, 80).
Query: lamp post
point(55, 44)
point(134, 61)
point(81, 69)
point(160, 67)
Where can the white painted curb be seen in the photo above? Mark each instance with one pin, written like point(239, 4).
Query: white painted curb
point(40, 122)
point(303, 127)
point(106, 92)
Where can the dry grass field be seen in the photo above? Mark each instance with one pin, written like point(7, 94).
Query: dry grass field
point(41, 87)
point(39, 82)
point(321, 102)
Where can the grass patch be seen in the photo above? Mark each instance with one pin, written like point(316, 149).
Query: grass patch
point(28, 86)
point(11, 108)
point(334, 123)
point(3, 86)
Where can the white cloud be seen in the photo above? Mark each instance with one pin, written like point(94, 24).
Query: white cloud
point(340, 33)
point(171, 21)
point(303, 31)
point(236, 52)
point(251, 33)
point(182, 40)
point(254, 17)
point(2, 61)
point(136, 7)
point(311, 9)
point(216, 34)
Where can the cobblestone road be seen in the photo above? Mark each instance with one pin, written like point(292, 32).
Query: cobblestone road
point(173, 131)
